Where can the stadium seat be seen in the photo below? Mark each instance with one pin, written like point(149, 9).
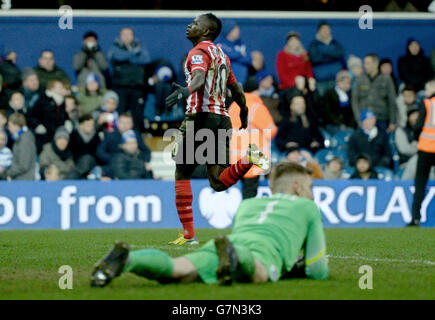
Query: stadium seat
point(341, 138)
point(324, 155)
point(384, 173)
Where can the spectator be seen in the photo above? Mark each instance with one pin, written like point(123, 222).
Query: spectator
point(257, 59)
point(5, 152)
point(400, 6)
point(338, 111)
point(406, 141)
point(414, 67)
point(292, 61)
point(327, 57)
point(162, 75)
point(72, 110)
point(90, 97)
point(23, 151)
point(84, 141)
point(363, 168)
point(386, 67)
point(299, 129)
point(30, 87)
point(370, 140)
point(3, 120)
point(107, 115)
point(375, 91)
point(304, 158)
point(354, 66)
point(236, 50)
point(333, 170)
point(261, 130)
point(48, 113)
point(51, 173)
point(16, 104)
point(264, 84)
point(10, 72)
point(111, 144)
point(57, 153)
point(129, 163)
point(405, 102)
point(128, 59)
point(48, 70)
point(90, 60)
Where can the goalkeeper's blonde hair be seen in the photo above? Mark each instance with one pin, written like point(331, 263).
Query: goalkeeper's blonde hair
point(283, 173)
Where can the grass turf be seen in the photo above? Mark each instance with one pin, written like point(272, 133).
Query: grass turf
point(403, 262)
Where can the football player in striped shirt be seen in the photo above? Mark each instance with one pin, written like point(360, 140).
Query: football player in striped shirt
point(208, 75)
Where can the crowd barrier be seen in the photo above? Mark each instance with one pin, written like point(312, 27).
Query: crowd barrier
point(150, 204)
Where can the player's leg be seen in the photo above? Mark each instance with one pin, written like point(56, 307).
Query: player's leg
point(237, 263)
point(421, 177)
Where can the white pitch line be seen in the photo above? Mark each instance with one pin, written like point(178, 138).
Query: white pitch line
point(431, 263)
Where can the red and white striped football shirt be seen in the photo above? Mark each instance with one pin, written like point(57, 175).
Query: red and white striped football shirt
point(218, 73)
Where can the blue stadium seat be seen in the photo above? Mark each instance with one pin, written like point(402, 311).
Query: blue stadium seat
point(341, 138)
point(384, 173)
point(399, 173)
point(324, 155)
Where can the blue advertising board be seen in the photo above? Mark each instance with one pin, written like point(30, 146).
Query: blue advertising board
point(151, 204)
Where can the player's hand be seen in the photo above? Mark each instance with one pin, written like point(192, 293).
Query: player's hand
point(179, 93)
point(244, 117)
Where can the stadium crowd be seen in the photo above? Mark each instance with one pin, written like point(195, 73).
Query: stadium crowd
point(342, 115)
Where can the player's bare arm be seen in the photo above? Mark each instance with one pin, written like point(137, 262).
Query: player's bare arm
point(239, 97)
point(180, 92)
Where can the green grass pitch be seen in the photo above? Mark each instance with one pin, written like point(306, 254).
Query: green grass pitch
point(402, 260)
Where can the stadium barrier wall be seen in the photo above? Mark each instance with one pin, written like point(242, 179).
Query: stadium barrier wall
point(163, 33)
point(150, 204)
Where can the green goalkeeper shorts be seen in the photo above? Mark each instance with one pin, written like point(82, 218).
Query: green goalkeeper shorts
point(206, 260)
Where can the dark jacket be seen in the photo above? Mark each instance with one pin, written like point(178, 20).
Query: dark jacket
point(356, 175)
point(326, 60)
point(128, 64)
point(128, 166)
point(377, 94)
point(49, 114)
point(24, 158)
point(296, 132)
point(45, 76)
point(378, 148)
point(110, 145)
point(11, 75)
point(80, 147)
point(30, 97)
point(336, 114)
point(86, 61)
point(415, 70)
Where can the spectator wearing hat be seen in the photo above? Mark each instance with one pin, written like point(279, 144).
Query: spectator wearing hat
point(57, 153)
point(47, 70)
point(30, 87)
point(363, 168)
point(10, 72)
point(129, 58)
point(90, 59)
point(327, 57)
point(90, 97)
point(84, 141)
point(355, 67)
point(414, 67)
point(23, 150)
point(304, 158)
point(107, 115)
point(405, 102)
point(299, 129)
point(236, 50)
point(265, 84)
point(386, 67)
point(375, 91)
point(333, 170)
point(292, 61)
point(111, 144)
point(338, 111)
point(369, 139)
point(129, 163)
point(5, 153)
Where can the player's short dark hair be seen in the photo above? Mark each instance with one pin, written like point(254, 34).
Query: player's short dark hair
point(85, 117)
point(215, 26)
point(287, 169)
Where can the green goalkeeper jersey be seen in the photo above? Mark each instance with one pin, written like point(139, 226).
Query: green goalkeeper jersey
point(277, 228)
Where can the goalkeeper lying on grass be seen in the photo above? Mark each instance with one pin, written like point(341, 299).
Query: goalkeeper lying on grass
point(268, 235)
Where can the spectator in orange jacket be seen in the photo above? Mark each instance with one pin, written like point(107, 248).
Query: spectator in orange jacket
point(260, 131)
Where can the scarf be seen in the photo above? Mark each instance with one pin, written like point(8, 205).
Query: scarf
point(343, 97)
point(63, 155)
point(371, 133)
point(16, 135)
